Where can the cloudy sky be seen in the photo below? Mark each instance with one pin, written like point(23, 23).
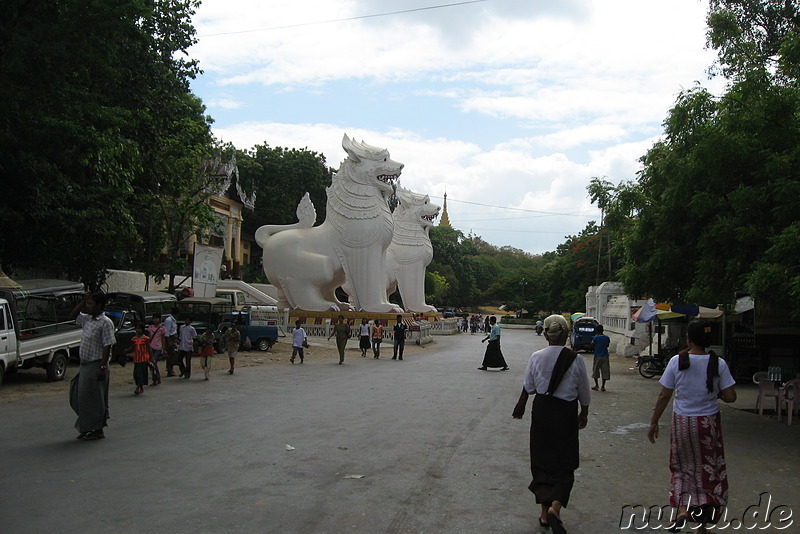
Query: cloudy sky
point(508, 106)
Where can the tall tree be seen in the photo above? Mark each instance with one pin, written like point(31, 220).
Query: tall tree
point(717, 196)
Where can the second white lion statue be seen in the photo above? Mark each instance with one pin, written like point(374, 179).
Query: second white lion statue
point(306, 264)
point(411, 251)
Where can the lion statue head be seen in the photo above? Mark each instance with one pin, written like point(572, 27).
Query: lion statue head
point(415, 208)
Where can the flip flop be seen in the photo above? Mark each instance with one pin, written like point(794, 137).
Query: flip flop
point(595, 388)
point(678, 524)
point(556, 524)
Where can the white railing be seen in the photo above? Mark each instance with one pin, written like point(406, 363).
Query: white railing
point(445, 327)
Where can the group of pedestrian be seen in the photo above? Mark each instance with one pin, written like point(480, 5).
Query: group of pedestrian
point(369, 336)
point(150, 344)
point(477, 323)
point(559, 383)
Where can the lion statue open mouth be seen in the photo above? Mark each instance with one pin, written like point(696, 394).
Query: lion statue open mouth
point(306, 263)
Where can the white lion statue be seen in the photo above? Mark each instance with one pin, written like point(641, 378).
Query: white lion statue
point(306, 264)
point(410, 251)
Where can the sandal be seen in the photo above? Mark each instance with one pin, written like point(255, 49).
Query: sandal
point(93, 435)
point(555, 523)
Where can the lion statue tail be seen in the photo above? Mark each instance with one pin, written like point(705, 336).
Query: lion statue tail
point(306, 217)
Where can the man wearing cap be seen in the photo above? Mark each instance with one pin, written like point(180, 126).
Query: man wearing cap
point(557, 378)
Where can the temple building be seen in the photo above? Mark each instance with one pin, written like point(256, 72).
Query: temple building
point(229, 202)
point(445, 220)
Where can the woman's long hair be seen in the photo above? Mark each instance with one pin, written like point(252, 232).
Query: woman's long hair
point(699, 333)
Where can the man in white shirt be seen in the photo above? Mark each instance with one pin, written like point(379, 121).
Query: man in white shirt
point(299, 341)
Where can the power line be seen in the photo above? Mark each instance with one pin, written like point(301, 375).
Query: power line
point(505, 230)
point(331, 21)
point(570, 214)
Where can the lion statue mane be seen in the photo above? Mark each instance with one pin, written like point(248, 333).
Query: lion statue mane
point(307, 263)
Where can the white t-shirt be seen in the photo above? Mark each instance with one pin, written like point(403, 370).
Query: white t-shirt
point(574, 385)
point(298, 336)
point(187, 335)
point(692, 398)
point(363, 329)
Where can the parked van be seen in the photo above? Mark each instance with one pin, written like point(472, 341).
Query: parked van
point(237, 297)
point(144, 303)
point(36, 328)
point(582, 333)
point(207, 314)
point(126, 308)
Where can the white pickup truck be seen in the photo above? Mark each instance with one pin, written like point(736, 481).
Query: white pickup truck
point(35, 326)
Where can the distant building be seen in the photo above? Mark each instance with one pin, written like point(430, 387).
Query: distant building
point(611, 306)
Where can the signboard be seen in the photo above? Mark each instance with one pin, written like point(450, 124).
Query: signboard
point(207, 263)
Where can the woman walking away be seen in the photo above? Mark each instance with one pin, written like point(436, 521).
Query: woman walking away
point(493, 357)
point(699, 481)
point(557, 378)
point(363, 337)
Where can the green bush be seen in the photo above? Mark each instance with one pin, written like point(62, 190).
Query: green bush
point(510, 319)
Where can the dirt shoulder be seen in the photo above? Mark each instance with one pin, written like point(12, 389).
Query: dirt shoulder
point(32, 383)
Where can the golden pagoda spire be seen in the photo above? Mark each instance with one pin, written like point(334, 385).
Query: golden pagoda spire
point(445, 220)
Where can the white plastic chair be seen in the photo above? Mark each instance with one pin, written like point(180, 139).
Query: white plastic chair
point(790, 396)
point(766, 388)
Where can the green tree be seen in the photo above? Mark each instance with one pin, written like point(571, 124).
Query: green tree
point(754, 35)
point(716, 207)
point(279, 177)
point(95, 107)
point(600, 193)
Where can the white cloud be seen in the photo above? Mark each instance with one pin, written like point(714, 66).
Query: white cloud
point(564, 91)
point(224, 103)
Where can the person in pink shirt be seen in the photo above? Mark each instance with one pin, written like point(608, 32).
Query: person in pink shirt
point(156, 332)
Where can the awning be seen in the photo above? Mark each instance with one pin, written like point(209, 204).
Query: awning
point(665, 310)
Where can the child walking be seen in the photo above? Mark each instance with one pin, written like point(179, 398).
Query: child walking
point(156, 331)
point(141, 358)
point(206, 351)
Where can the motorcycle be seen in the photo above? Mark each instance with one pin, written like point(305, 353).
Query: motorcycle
point(539, 329)
point(650, 366)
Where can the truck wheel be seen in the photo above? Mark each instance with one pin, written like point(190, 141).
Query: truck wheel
point(57, 368)
point(264, 344)
point(2, 372)
point(221, 345)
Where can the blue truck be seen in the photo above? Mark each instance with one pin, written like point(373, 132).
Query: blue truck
point(259, 324)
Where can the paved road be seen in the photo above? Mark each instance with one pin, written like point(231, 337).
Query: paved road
point(432, 437)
